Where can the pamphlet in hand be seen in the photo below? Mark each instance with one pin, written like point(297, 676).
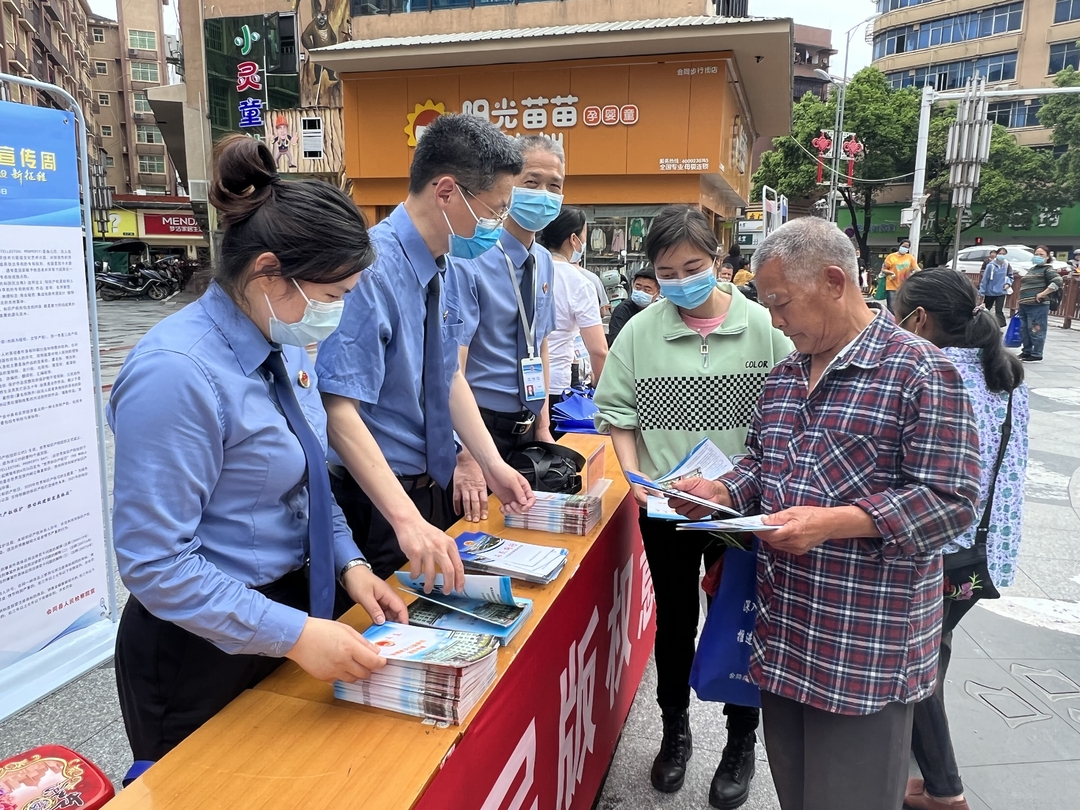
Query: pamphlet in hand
point(741, 524)
point(488, 554)
point(487, 605)
point(667, 492)
point(706, 460)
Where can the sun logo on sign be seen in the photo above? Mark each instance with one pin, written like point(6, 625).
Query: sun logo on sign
point(421, 117)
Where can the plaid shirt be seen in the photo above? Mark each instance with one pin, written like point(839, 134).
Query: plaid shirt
point(854, 624)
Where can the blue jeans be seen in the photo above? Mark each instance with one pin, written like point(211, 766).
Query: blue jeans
point(1033, 322)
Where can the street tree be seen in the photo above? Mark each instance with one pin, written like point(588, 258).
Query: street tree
point(1017, 186)
point(1061, 114)
point(884, 120)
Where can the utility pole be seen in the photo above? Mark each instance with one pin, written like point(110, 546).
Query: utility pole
point(968, 149)
point(914, 215)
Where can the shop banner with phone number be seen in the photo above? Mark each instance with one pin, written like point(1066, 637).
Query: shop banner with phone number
point(548, 731)
point(53, 556)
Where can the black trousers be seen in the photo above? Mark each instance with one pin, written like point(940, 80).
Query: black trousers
point(374, 534)
point(502, 430)
point(171, 681)
point(675, 561)
point(996, 303)
point(931, 742)
point(825, 761)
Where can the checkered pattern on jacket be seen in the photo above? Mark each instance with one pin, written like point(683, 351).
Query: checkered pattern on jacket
point(854, 624)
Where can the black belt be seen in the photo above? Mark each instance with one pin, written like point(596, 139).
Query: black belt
point(409, 483)
point(516, 424)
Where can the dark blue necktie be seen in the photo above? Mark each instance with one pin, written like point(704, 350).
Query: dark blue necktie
point(528, 296)
point(320, 512)
point(438, 428)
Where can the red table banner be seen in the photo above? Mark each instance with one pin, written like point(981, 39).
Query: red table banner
point(586, 657)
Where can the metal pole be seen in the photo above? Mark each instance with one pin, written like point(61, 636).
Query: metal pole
point(836, 151)
point(918, 189)
point(929, 97)
point(956, 236)
point(95, 356)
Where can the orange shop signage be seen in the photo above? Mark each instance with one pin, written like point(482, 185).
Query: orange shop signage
point(628, 116)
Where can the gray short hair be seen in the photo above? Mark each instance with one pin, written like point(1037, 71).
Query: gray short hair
point(805, 247)
point(533, 143)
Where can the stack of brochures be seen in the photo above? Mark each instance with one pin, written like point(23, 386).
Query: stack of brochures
point(488, 554)
point(429, 672)
point(559, 513)
point(486, 605)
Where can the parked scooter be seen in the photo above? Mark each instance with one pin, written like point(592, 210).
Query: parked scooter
point(142, 281)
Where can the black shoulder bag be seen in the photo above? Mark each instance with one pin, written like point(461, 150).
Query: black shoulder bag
point(549, 467)
point(967, 576)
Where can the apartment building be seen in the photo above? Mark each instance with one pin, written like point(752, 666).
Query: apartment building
point(47, 40)
point(1014, 44)
point(128, 60)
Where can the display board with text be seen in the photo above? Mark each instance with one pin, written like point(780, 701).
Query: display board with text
point(54, 558)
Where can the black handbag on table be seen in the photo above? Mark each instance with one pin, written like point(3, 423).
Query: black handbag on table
point(549, 467)
point(966, 573)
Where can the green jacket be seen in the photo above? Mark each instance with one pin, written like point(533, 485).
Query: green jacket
point(674, 388)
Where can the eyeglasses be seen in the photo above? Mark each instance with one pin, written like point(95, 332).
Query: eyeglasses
point(483, 222)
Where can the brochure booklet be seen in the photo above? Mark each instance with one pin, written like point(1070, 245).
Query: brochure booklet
point(488, 598)
point(405, 645)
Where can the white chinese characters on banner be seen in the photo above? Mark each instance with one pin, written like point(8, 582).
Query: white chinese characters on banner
point(685, 164)
point(648, 595)
point(577, 686)
point(523, 757)
point(618, 625)
point(698, 71)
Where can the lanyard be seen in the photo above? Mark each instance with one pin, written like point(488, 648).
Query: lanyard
point(530, 338)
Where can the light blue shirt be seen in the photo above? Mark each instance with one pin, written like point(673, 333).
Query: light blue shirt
point(376, 356)
point(485, 296)
point(995, 276)
point(210, 488)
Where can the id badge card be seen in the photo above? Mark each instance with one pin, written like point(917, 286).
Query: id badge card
point(532, 377)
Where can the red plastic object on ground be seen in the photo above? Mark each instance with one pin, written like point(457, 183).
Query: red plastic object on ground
point(51, 777)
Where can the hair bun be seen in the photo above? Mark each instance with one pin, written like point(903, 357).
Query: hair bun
point(244, 175)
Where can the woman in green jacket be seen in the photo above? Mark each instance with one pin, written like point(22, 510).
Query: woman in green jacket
point(690, 366)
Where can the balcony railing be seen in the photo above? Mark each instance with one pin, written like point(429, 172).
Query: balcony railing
point(363, 8)
point(55, 55)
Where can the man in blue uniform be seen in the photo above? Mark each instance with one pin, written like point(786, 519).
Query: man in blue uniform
point(507, 298)
point(389, 375)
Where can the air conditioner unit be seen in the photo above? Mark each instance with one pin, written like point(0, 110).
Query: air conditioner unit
point(125, 150)
point(199, 190)
point(132, 52)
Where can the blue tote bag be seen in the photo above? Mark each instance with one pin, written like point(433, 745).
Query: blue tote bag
point(1013, 337)
point(720, 673)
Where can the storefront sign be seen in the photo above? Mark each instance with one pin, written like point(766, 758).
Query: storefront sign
point(595, 642)
point(171, 225)
point(632, 116)
point(53, 554)
point(121, 225)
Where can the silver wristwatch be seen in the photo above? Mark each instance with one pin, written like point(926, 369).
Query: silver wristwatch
point(350, 565)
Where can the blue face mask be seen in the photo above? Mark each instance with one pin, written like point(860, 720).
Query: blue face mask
point(320, 319)
point(533, 208)
point(641, 298)
point(691, 292)
point(1037, 260)
point(485, 236)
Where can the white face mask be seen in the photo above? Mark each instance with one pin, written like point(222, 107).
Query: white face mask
point(904, 249)
point(320, 320)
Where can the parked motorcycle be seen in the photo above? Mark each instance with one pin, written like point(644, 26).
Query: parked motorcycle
point(142, 281)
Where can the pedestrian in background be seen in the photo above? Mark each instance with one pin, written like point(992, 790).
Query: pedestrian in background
point(864, 450)
point(579, 331)
point(726, 272)
point(736, 258)
point(644, 291)
point(1036, 287)
point(940, 306)
point(896, 267)
point(997, 277)
point(225, 528)
point(679, 373)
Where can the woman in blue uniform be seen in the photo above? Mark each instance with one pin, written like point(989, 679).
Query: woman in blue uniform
point(226, 533)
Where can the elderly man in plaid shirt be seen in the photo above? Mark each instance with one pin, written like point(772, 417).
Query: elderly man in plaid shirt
point(864, 449)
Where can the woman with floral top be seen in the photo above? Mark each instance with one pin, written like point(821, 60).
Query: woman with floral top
point(941, 306)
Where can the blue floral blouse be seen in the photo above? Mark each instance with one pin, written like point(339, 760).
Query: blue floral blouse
point(1007, 513)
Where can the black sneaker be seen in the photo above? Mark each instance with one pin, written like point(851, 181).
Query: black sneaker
point(1030, 359)
point(731, 783)
point(669, 767)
